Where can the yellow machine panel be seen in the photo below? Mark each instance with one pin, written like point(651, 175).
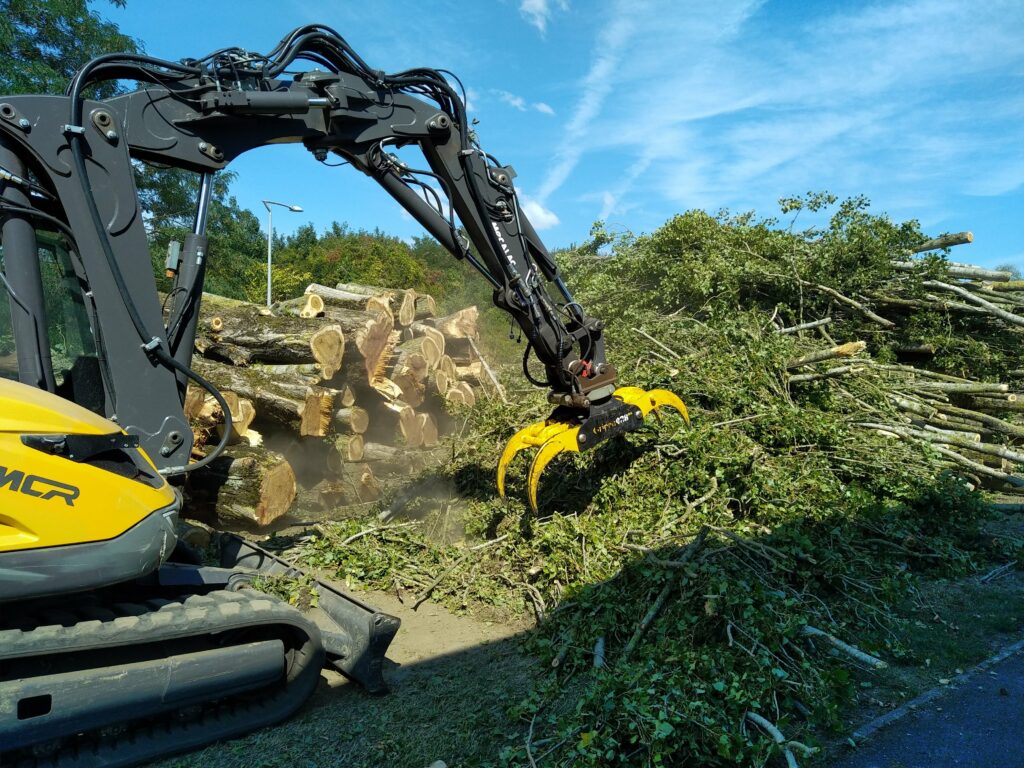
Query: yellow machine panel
point(49, 500)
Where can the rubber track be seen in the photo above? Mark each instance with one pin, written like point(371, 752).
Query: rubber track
point(216, 612)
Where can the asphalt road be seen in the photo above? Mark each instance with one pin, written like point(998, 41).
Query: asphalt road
point(979, 722)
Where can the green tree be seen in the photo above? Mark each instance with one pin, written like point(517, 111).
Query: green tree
point(46, 41)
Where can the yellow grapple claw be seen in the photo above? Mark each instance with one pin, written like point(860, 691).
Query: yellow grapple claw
point(532, 436)
point(565, 440)
point(650, 400)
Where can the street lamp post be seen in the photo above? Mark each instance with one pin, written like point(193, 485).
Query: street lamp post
point(270, 237)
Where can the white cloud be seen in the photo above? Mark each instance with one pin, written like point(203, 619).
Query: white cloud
point(539, 216)
point(521, 104)
point(538, 12)
point(516, 102)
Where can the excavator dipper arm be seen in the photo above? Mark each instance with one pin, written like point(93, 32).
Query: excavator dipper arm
point(200, 114)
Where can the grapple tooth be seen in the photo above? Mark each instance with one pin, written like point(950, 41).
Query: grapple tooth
point(565, 440)
point(647, 401)
point(536, 434)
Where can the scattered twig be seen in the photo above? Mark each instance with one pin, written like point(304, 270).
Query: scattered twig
point(648, 336)
point(806, 326)
point(850, 650)
point(776, 735)
point(997, 573)
point(864, 310)
point(529, 742)
point(376, 529)
point(599, 653)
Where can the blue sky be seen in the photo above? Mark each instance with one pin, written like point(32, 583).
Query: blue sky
point(633, 110)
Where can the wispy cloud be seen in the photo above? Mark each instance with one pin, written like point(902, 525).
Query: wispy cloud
point(594, 89)
point(704, 104)
point(539, 12)
point(521, 104)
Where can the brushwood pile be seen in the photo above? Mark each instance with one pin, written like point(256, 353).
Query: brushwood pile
point(708, 594)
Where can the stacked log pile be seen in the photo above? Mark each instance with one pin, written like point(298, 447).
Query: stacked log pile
point(334, 396)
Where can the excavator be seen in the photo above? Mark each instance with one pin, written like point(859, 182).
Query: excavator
point(117, 646)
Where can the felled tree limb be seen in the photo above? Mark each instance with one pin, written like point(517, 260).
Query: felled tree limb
point(805, 326)
point(850, 650)
point(776, 735)
point(993, 309)
point(843, 350)
point(863, 309)
point(685, 555)
point(944, 241)
point(831, 373)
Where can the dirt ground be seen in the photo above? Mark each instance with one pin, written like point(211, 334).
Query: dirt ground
point(452, 681)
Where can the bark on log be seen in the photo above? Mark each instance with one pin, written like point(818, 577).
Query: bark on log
point(404, 299)
point(247, 487)
point(397, 421)
point(297, 407)
point(306, 306)
point(462, 324)
point(311, 372)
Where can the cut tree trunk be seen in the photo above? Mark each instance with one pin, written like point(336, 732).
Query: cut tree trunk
point(344, 450)
point(242, 336)
point(243, 487)
point(404, 299)
point(352, 420)
point(418, 329)
point(299, 408)
point(307, 306)
point(368, 342)
point(335, 299)
point(428, 430)
point(461, 393)
point(425, 306)
point(462, 324)
point(396, 422)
